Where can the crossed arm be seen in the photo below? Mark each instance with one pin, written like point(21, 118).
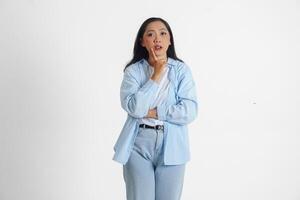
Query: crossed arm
point(136, 100)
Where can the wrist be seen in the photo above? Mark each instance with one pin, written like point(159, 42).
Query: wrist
point(156, 78)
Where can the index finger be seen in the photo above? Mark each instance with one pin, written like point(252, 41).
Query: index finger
point(153, 54)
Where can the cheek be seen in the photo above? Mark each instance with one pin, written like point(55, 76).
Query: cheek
point(167, 41)
point(148, 42)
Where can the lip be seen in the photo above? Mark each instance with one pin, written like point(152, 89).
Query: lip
point(157, 47)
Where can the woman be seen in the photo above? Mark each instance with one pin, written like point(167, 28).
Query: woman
point(158, 93)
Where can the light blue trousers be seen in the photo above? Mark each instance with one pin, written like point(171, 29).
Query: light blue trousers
point(145, 175)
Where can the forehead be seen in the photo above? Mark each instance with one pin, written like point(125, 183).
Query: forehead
point(156, 25)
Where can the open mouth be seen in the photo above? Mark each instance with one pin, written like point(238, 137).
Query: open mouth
point(157, 47)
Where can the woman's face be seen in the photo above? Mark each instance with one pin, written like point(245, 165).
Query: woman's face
point(156, 36)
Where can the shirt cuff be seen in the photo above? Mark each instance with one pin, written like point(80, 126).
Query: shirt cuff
point(153, 82)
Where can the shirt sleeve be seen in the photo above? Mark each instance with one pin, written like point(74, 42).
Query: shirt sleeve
point(186, 108)
point(136, 99)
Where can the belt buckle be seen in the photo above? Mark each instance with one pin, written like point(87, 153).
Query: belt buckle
point(159, 127)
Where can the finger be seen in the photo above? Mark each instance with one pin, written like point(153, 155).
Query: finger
point(153, 54)
point(163, 61)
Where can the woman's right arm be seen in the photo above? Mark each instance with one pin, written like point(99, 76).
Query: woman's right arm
point(136, 100)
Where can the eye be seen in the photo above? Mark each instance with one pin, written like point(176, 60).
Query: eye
point(163, 33)
point(149, 34)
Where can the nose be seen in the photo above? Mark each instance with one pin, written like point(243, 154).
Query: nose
point(157, 39)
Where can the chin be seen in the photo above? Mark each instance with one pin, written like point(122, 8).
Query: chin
point(161, 54)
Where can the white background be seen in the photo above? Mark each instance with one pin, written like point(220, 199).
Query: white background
point(61, 65)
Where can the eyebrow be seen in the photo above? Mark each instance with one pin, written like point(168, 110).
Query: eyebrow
point(159, 29)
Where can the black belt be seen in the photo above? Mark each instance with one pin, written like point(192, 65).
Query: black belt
point(157, 127)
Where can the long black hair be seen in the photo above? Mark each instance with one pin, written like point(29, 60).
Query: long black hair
point(140, 52)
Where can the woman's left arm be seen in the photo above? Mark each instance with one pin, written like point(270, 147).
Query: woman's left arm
point(186, 108)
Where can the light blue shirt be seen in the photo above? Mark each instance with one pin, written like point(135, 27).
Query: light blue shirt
point(180, 108)
point(160, 96)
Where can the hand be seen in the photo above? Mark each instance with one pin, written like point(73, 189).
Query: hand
point(152, 113)
point(158, 64)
